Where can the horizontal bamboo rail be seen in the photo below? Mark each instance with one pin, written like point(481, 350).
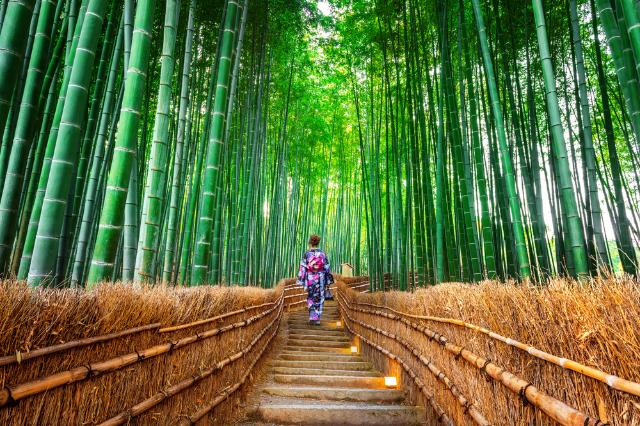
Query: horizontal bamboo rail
point(610, 380)
point(464, 402)
point(15, 393)
point(552, 407)
point(149, 403)
point(213, 319)
point(442, 416)
point(194, 418)
point(20, 357)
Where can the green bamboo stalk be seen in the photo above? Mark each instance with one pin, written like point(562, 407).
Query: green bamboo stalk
point(505, 156)
point(205, 218)
point(112, 217)
point(25, 129)
point(154, 196)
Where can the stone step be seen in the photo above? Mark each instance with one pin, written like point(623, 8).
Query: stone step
point(302, 323)
point(325, 312)
point(323, 372)
point(327, 338)
point(329, 365)
point(303, 348)
point(337, 381)
point(318, 343)
point(319, 328)
point(314, 356)
point(317, 331)
point(336, 394)
point(341, 414)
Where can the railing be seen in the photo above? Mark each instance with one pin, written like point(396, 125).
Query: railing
point(204, 359)
point(404, 338)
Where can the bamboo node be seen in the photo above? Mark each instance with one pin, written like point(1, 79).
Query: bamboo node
point(459, 354)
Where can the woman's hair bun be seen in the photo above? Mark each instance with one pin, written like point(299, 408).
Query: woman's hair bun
point(314, 240)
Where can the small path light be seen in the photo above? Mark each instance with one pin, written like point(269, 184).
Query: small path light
point(391, 381)
point(354, 349)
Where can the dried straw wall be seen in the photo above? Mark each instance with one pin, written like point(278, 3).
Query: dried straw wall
point(466, 371)
point(159, 376)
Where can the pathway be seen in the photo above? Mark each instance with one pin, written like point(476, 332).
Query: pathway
point(314, 379)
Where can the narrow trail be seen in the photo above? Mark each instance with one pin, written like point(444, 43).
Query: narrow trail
point(314, 379)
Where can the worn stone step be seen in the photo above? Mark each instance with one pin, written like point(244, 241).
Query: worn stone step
point(329, 365)
point(304, 348)
point(319, 328)
point(318, 343)
point(324, 372)
point(317, 331)
point(336, 394)
point(305, 312)
point(342, 414)
point(305, 323)
point(337, 381)
point(314, 356)
point(319, 337)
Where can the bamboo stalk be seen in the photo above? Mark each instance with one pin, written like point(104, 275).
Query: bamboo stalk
point(610, 380)
point(24, 390)
point(20, 357)
point(464, 402)
point(147, 404)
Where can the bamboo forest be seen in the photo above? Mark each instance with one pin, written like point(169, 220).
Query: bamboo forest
point(320, 212)
point(203, 141)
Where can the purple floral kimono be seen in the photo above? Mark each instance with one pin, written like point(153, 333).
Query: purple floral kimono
point(314, 268)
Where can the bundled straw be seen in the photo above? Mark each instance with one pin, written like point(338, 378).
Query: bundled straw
point(592, 324)
point(44, 333)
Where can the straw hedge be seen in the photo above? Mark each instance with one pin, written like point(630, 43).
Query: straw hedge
point(182, 374)
point(595, 324)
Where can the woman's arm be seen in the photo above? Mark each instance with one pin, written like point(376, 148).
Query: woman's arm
point(302, 273)
point(327, 267)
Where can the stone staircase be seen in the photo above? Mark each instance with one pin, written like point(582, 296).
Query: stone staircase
point(314, 379)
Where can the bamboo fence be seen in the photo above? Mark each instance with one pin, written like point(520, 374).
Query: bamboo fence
point(178, 366)
point(569, 395)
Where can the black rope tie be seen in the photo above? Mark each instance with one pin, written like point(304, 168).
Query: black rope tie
point(483, 369)
point(523, 394)
point(90, 371)
point(11, 402)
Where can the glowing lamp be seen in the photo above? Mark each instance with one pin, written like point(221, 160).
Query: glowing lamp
point(391, 381)
point(354, 349)
point(339, 324)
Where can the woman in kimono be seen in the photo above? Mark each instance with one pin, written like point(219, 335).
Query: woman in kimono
point(314, 275)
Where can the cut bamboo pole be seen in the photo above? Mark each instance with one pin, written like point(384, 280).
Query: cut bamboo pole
point(464, 402)
point(18, 392)
point(170, 391)
point(20, 357)
point(442, 416)
point(213, 319)
point(194, 418)
point(556, 409)
point(610, 380)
